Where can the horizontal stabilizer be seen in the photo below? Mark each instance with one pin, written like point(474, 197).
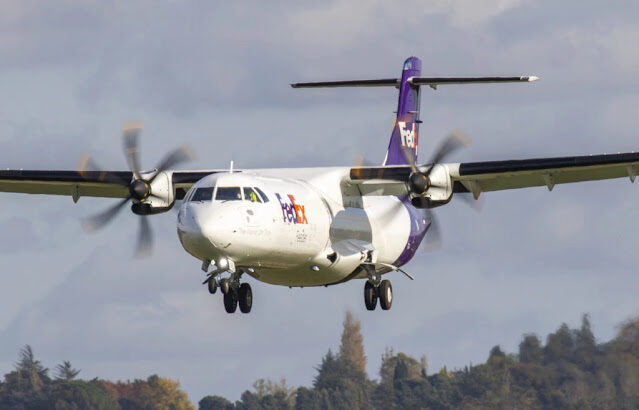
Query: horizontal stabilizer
point(384, 82)
point(430, 81)
point(435, 81)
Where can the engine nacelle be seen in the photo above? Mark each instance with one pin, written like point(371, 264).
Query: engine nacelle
point(440, 192)
point(162, 196)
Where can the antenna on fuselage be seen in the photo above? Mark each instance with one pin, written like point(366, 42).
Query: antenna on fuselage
point(231, 167)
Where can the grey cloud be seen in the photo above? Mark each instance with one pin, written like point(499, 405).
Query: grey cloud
point(217, 76)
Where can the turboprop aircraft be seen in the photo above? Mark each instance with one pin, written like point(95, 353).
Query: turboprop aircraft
point(313, 226)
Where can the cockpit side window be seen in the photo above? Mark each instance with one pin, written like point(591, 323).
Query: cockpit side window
point(251, 195)
point(202, 194)
point(262, 194)
point(228, 194)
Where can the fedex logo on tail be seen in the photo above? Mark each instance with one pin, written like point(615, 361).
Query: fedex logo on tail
point(292, 212)
point(409, 136)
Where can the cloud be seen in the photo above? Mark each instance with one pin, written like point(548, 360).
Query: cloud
point(216, 75)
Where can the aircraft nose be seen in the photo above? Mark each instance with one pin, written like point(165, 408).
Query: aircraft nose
point(205, 227)
point(190, 231)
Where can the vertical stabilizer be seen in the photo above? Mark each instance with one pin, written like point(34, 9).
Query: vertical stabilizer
point(405, 130)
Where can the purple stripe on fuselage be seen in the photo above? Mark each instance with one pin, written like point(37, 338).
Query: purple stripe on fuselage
point(419, 224)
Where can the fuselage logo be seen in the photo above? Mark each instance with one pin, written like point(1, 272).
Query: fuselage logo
point(409, 136)
point(292, 212)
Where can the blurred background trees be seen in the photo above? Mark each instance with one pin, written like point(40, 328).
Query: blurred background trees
point(571, 370)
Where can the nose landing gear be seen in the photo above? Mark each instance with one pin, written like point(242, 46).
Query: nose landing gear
point(233, 292)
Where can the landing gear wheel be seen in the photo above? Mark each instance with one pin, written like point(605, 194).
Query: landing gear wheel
point(245, 298)
point(385, 291)
point(230, 301)
point(212, 286)
point(225, 285)
point(370, 296)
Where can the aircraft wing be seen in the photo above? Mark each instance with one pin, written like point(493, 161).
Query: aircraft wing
point(107, 184)
point(478, 177)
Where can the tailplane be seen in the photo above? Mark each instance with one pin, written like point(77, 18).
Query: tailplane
point(404, 137)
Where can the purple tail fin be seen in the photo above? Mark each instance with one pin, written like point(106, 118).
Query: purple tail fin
point(406, 127)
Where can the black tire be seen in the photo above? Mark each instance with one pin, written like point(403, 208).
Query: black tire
point(212, 286)
point(385, 292)
point(245, 298)
point(230, 301)
point(370, 296)
point(225, 285)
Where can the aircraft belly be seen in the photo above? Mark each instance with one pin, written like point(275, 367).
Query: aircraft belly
point(299, 276)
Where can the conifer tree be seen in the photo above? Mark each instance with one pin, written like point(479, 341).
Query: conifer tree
point(352, 348)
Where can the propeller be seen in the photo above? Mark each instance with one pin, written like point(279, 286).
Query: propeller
point(139, 187)
point(419, 182)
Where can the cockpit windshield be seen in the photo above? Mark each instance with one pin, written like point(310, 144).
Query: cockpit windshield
point(251, 195)
point(262, 194)
point(228, 194)
point(202, 194)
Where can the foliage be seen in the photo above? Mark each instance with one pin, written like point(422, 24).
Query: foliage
point(65, 371)
point(571, 370)
point(352, 347)
point(153, 393)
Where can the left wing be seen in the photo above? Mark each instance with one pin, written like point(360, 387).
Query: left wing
point(478, 177)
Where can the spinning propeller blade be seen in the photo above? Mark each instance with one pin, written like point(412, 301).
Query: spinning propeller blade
point(419, 182)
point(139, 188)
point(98, 221)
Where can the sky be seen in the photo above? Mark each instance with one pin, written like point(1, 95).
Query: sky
point(215, 75)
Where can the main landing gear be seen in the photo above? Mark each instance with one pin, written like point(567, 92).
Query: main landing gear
point(375, 289)
point(234, 293)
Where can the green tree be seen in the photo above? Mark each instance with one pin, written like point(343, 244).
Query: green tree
point(530, 349)
point(265, 387)
point(31, 369)
point(559, 345)
point(65, 371)
point(414, 369)
point(79, 394)
point(215, 403)
point(352, 347)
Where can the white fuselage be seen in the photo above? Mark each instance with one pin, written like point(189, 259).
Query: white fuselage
point(309, 230)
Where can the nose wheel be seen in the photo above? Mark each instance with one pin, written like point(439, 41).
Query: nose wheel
point(234, 294)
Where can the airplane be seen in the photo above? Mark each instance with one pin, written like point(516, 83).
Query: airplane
point(322, 226)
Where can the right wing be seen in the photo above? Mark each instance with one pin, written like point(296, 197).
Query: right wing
point(478, 177)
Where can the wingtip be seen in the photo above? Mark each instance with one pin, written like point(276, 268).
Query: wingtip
point(532, 78)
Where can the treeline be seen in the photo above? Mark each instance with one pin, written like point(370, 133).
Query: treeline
point(31, 386)
point(569, 371)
